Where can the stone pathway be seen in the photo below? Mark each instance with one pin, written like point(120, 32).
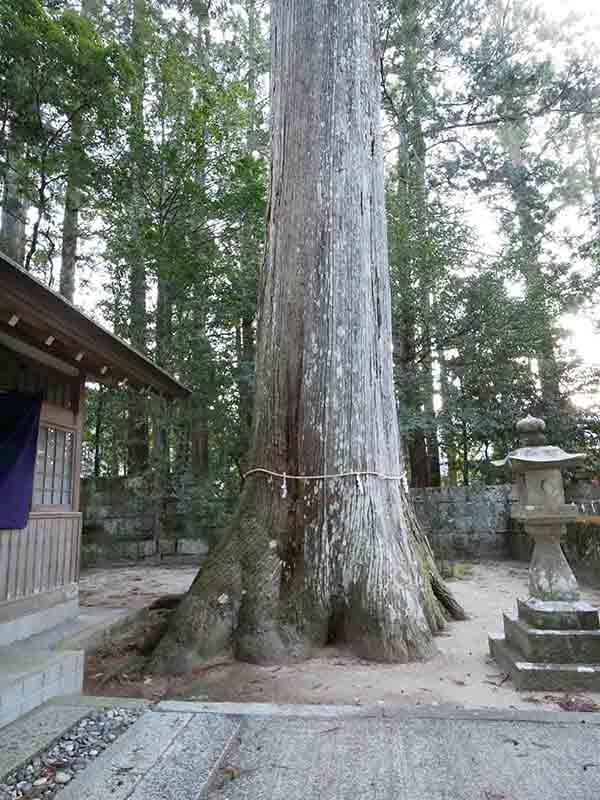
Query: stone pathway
point(44, 750)
point(184, 751)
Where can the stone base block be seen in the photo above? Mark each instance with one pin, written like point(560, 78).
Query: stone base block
point(538, 676)
point(192, 547)
point(24, 618)
point(548, 646)
point(558, 616)
point(30, 677)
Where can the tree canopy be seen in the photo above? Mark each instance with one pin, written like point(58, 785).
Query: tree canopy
point(134, 154)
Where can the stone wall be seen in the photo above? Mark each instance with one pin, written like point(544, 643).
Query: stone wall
point(465, 523)
point(122, 520)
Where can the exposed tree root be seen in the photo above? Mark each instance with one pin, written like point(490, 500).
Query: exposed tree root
point(254, 600)
point(446, 602)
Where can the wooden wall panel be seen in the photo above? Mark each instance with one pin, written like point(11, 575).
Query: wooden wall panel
point(42, 557)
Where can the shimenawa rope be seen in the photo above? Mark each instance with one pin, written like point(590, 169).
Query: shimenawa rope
point(358, 475)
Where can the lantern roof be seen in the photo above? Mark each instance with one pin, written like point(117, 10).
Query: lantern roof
point(542, 457)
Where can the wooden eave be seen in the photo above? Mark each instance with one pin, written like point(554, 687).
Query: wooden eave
point(43, 319)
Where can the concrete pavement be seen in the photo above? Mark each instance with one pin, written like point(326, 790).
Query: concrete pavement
point(187, 751)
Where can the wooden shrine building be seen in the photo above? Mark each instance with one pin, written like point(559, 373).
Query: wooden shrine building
point(47, 350)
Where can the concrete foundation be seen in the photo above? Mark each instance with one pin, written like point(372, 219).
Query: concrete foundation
point(29, 617)
point(49, 664)
point(30, 677)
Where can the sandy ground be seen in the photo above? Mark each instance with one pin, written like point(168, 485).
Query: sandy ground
point(461, 673)
point(135, 585)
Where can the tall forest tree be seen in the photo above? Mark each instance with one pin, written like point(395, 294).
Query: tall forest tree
point(327, 558)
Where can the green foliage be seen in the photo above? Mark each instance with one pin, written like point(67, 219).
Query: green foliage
point(158, 110)
point(484, 112)
point(54, 67)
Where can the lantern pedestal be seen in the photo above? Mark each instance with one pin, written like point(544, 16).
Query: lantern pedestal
point(550, 646)
point(550, 576)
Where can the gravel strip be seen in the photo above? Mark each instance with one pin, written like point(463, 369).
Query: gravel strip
point(52, 769)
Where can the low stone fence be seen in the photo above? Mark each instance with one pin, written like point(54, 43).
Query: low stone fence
point(121, 521)
point(465, 523)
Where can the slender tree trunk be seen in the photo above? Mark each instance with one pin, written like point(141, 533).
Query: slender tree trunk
point(418, 188)
point(416, 379)
point(162, 415)
point(90, 9)
point(250, 251)
point(137, 442)
point(199, 403)
point(14, 206)
point(465, 453)
point(199, 428)
point(449, 444)
point(70, 231)
point(98, 431)
point(200, 455)
point(404, 324)
point(420, 465)
point(531, 232)
point(431, 434)
point(311, 562)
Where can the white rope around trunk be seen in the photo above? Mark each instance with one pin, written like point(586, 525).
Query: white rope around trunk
point(332, 476)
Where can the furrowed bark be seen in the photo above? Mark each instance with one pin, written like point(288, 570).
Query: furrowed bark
point(328, 560)
point(137, 431)
point(15, 206)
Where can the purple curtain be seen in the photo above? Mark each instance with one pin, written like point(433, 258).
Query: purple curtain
point(19, 423)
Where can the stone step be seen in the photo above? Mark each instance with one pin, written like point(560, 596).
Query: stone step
point(30, 677)
point(548, 646)
point(163, 756)
point(188, 751)
point(538, 676)
point(26, 737)
point(556, 616)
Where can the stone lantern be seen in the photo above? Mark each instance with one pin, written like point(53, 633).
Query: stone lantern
point(554, 641)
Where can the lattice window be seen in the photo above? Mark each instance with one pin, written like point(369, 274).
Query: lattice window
point(53, 482)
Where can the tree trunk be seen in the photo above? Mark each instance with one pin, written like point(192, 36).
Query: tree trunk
point(164, 345)
point(420, 465)
point(137, 442)
point(531, 231)
point(318, 561)
point(14, 206)
point(199, 428)
point(250, 252)
point(417, 270)
point(90, 9)
point(448, 429)
point(70, 230)
point(465, 453)
point(418, 191)
point(404, 320)
point(98, 431)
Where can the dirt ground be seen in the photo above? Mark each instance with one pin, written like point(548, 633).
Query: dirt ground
point(460, 673)
point(134, 585)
